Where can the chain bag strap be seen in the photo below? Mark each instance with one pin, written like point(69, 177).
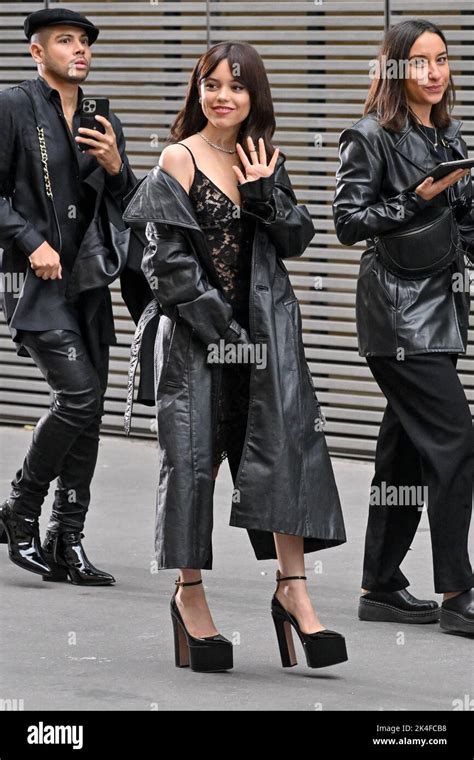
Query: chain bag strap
point(44, 162)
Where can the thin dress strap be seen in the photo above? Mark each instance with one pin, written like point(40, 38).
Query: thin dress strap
point(190, 151)
point(194, 162)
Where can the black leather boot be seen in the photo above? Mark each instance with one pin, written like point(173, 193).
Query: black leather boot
point(22, 535)
point(67, 558)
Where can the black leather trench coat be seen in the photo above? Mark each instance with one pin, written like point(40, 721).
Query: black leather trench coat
point(285, 481)
point(376, 165)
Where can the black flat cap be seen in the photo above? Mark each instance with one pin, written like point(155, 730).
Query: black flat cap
point(59, 17)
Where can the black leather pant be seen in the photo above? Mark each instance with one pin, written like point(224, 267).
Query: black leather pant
point(426, 439)
point(66, 439)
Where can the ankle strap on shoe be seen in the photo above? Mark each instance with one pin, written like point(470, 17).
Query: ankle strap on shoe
point(188, 583)
point(290, 578)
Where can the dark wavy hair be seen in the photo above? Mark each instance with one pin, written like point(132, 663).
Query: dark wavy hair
point(243, 58)
point(386, 96)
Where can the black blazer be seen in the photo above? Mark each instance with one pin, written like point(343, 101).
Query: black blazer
point(27, 220)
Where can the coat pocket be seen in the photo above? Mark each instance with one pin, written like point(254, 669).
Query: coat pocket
point(176, 361)
point(397, 293)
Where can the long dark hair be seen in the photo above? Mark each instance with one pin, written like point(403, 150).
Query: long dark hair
point(243, 58)
point(387, 96)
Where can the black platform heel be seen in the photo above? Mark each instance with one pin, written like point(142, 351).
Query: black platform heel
point(204, 655)
point(322, 648)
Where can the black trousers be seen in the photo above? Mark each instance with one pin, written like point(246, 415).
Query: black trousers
point(66, 439)
point(426, 439)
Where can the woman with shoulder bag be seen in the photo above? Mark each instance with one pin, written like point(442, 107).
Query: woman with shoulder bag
point(412, 311)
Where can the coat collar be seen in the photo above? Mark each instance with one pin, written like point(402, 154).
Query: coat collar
point(411, 144)
point(159, 197)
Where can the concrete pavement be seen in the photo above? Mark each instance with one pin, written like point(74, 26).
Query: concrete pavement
point(66, 647)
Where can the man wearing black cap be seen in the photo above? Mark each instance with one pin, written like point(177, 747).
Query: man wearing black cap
point(63, 242)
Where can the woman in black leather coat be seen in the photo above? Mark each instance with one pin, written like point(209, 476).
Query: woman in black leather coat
point(221, 218)
point(411, 331)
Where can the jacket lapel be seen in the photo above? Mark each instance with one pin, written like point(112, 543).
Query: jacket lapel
point(414, 148)
point(159, 197)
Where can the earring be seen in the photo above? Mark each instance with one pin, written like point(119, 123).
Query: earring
point(200, 100)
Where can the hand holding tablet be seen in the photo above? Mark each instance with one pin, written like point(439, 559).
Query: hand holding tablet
point(449, 171)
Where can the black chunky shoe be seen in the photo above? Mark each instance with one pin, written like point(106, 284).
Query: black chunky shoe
point(208, 654)
point(321, 648)
point(22, 535)
point(66, 556)
point(397, 607)
point(457, 614)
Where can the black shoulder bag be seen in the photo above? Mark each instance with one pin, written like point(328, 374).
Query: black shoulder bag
point(420, 251)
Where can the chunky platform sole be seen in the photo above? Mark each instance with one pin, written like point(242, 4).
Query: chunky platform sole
point(322, 649)
point(378, 612)
point(210, 657)
point(453, 622)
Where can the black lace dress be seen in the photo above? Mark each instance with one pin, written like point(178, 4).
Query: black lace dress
point(229, 237)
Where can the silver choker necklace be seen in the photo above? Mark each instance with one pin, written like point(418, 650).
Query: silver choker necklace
point(217, 147)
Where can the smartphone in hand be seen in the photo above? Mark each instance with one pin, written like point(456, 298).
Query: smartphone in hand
point(90, 108)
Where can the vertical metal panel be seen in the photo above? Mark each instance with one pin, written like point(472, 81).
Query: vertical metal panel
point(317, 55)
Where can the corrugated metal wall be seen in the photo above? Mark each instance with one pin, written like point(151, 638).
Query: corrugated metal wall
point(317, 57)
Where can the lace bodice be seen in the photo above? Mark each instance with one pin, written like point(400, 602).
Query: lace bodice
point(228, 235)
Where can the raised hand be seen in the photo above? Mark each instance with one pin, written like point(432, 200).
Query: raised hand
point(258, 168)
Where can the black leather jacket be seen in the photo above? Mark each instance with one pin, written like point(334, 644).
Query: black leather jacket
point(393, 314)
point(27, 219)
